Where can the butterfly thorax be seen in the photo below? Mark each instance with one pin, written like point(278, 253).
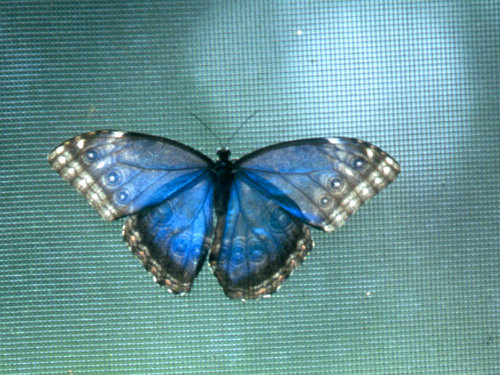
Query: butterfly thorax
point(223, 170)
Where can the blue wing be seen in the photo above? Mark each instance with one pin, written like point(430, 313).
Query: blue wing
point(172, 239)
point(257, 244)
point(122, 173)
point(319, 182)
point(165, 186)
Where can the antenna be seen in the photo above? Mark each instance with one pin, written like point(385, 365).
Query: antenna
point(242, 124)
point(215, 135)
point(208, 128)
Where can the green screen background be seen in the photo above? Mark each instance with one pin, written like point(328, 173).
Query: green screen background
point(410, 285)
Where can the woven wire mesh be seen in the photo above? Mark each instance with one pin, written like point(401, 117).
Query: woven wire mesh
point(409, 285)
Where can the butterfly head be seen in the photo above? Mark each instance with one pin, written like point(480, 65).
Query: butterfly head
point(223, 154)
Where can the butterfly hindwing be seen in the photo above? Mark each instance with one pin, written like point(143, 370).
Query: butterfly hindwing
point(122, 173)
point(257, 244)
point(321, 181)
point(172, 239)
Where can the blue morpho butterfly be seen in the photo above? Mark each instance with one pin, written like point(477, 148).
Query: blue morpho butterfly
point(264, 202)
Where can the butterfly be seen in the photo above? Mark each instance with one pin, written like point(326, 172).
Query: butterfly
point(264, 202)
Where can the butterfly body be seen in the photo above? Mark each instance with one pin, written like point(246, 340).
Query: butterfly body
point(264, 202)
point(223, 174)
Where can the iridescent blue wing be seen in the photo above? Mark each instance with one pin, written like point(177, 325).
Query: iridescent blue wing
point(172, 239)
point(122, 173)
point(257, 244)
point(319, 182)
point(165, 186)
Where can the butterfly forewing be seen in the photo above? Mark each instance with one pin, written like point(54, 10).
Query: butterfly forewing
point(321, 181)
point(122, 173)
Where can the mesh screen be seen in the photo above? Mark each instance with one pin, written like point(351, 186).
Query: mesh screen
point(409, 285)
